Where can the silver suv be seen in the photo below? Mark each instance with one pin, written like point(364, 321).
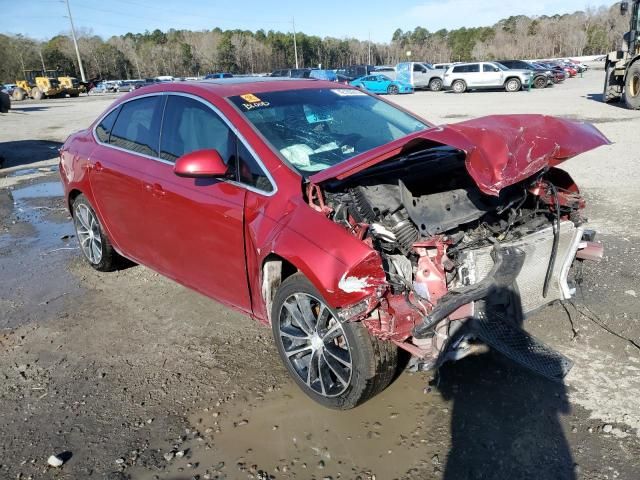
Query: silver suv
point(461, 77)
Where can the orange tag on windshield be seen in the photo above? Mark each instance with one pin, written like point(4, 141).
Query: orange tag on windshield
point(250, 97)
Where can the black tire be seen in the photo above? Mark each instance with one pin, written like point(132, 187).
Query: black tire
point(513, 85)
point(109, 259)
point(373, 362)
point(5, 102)
point(18, 94)
point(392, 90)
point(540, 82)
point(612, 91)
point(459, 86)
point(632, 87)
point(435, 85)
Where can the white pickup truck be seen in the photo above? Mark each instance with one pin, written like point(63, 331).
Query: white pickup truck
point(419, 75)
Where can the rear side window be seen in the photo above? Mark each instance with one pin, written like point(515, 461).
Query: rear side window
point(138, 126)
point(190, 125)
point(250, 172)
point(467, 68)
point(103, 130)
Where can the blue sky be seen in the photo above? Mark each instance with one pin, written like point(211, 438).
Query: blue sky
point(337, 18)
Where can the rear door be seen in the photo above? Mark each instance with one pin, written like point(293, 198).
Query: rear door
point(198, 223)
point(127, 138)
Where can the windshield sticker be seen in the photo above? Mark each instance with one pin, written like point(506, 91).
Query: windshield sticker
point(250, 97)
point(251, 106)
point(317, 114)
point(348, 92)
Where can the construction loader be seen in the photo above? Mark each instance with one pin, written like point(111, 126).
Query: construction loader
point(622, 77)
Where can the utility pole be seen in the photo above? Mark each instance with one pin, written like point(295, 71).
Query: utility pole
point(295, 45)
point(44, 69)
point(75, 42)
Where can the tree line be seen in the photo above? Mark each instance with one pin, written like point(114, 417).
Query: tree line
point(192, 53)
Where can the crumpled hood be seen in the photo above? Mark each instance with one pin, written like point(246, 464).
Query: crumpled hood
point(500, 149)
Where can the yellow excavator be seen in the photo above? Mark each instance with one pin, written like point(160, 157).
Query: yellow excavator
point(622, 78)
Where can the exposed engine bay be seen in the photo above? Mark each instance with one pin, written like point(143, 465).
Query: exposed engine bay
point(451, 252)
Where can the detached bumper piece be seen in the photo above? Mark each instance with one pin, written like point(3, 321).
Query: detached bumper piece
point(507, 263)
point(519, 346)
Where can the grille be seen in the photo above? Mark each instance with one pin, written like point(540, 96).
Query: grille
point(530, 280)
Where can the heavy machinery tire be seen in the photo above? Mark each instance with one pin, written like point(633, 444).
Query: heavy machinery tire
point(5, 102)
point(632, 87)
point(18, 94)
point(338, 364)
point(36, 93)
point(612, 91)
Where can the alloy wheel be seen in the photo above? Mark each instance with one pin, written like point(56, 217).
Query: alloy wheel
point(88, 231)
point(315, 344)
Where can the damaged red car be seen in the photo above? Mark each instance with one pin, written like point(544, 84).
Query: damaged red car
point(351, 226)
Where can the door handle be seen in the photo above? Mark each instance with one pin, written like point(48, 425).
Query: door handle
point(155, 189)
point(158, 190)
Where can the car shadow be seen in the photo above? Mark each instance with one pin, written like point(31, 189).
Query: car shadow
point(20, 109)
point(25, 152)
point(505, 420)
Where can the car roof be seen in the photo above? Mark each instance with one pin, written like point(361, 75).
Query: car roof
point(228, 87)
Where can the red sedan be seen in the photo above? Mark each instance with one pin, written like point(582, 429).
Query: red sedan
point(351, 226)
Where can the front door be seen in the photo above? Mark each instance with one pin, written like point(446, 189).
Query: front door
point(197, 224)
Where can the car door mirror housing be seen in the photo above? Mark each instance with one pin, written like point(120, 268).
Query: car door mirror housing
point(201, 164)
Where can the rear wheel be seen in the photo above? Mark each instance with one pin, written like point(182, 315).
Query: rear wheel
point(513, 85)
point(392, 90)
point(612, 90)
point(339, 365)
point(632, 87)
point(459, 86)
point(94, 242)
point(435, 85)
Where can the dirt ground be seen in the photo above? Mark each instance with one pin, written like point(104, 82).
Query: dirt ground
point(129, 375)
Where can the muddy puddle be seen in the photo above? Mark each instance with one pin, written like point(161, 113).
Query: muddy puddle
point(286, 435)
point(32, 171)
point(37, 240)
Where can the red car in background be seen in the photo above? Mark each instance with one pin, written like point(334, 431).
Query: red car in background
point(352, 226)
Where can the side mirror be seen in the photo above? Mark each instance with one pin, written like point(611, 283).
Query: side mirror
point(200, 164)
point(624, 8)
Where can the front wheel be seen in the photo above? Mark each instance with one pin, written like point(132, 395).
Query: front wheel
point(392, 90)
point(459, 86)
point(94, 242)
point(339, 365)
point(540, 82)
point(632, 87)
point(513, 85)
point(612, 89)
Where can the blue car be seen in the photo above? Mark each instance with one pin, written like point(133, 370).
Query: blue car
point(381, 84)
